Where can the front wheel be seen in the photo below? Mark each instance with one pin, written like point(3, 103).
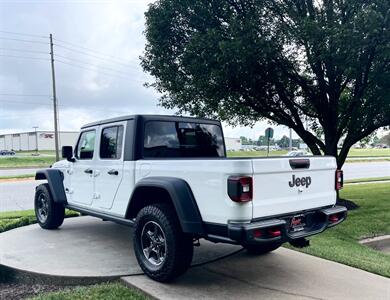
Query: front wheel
point(49, 214)
point(163, 251)
point(261, 249)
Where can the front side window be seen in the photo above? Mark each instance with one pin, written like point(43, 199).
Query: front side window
point(86, 145)
point(111, 142)
point(182, 139)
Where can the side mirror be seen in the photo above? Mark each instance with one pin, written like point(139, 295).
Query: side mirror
point(67, 153)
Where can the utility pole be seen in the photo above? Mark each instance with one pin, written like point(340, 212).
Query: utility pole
point(290, 141)
point(36, 139)
point(54, 98)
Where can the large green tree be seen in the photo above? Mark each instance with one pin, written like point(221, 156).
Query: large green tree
point(294, 62)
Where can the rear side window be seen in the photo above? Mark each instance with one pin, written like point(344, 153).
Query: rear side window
point(111, 142)
point(182, 139)
point(86, 145)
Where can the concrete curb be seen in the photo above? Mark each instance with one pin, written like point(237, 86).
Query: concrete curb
point(367, 182)
point(8, 274)
point(137, 288)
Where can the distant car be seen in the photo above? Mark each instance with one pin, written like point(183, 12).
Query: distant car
point(7, 152)
point(297, 153)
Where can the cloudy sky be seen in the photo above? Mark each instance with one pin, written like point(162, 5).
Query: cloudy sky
point(97, 46)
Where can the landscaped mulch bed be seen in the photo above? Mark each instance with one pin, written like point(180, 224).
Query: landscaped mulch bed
point(16, 291)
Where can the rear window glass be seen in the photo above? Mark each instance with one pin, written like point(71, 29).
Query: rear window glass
point(182, 139)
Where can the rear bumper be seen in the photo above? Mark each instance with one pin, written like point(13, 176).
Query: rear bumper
point(278, 229)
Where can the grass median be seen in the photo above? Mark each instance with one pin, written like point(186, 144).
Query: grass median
point(24, 162)
point(370, 179)
point(341, 243)
point(17, 177)
point(14, 219)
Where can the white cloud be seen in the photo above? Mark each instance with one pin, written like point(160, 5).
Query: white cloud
point(93, 90)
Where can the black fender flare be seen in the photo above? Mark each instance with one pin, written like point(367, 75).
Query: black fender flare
point(55, 179)
point(182, 199)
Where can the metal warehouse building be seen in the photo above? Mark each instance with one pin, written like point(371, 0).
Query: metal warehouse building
point(39, 140)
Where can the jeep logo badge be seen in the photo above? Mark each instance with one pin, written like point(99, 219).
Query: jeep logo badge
point(303, 181)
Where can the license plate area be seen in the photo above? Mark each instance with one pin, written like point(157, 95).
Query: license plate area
point(297, 223)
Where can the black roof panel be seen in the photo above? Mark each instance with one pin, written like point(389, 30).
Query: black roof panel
point(150, 118)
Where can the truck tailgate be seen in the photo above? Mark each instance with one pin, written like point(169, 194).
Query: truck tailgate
point(286, 185)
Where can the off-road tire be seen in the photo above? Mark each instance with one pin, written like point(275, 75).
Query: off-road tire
point(55, 211)
point(178, 249)
point(261, 249)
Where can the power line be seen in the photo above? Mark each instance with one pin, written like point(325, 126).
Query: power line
point(94, 56)
point(24, 34)
point(73, 45)
point(85, 63)
point(24, 95)
point(93, 69)
point(22, 50)
point(24, 57)
point(24, 102)
point(20, 40)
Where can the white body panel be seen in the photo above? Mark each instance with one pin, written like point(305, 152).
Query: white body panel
point(106, 185)
point(207, 179)
point(272, 194)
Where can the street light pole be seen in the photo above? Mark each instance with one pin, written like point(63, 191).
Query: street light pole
point(36, 139)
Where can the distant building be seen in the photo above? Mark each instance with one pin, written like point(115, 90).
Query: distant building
point(233, 144)
point(40, 140)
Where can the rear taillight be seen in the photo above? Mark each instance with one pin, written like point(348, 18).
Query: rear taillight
point(339, 179)
point(240, 188)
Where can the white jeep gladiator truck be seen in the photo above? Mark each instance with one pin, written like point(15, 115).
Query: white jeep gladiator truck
point(170, 179)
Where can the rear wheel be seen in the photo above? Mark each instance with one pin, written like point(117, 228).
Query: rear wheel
point(50, 215)
point(163, 251)
point(261, 249)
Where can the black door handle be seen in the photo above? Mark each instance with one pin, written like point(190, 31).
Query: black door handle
point(88, 171)
point(113, 172)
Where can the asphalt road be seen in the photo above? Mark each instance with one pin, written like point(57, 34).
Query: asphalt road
point(15, 172)
point(366, 170)
point(19, 195)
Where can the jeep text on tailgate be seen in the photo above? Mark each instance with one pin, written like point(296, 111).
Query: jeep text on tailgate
point(169, 178)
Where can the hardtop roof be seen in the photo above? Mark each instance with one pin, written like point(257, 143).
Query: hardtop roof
point(152, 118)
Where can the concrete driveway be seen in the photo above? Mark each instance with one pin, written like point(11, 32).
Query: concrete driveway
point(282, 274)
point(88, 249)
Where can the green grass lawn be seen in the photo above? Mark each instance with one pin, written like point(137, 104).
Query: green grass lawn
point(340, 243)
point(105, 291)
point(262, 153)
point(369, 152)
point(14, 219)
point(385, 178)
point(352, 153)
point(17, 176)
point(30, 152)
point(33, 161)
